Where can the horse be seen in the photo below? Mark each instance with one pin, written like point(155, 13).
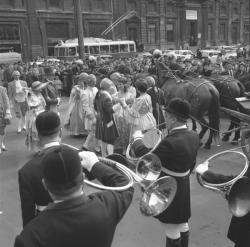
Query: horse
point(203, 97)
point(229, 89)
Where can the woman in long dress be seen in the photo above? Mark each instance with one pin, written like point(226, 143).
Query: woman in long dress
point(123, 126)
point(140, 115)
point(88, 98)
point(75, 121)
point(106, 130)
point(36, 104)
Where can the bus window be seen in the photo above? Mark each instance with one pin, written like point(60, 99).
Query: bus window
point(104, 49)
point(131, 47)
point(56, 52)
point(86, 49)
point(124, 48)
point(114, 48)
point(72, 51)
point(94, 49)
point(61, 52)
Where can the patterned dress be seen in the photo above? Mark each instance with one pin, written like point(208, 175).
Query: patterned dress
point(140, 115)
point(75, 122)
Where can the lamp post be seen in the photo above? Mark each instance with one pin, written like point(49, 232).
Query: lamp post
point(79, 27)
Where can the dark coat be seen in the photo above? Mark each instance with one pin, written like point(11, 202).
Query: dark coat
point(177, 152)
point(88, 221)
point(239, 230)
point(31, 189)
point(157, 98)
point(50, 94)
point(106, 129)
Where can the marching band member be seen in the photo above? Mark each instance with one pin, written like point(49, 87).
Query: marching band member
point(34, 197)
point(17, 90)
point(177, 152)
point(75, 219)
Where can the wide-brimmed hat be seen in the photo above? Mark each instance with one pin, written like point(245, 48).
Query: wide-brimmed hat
point(179, 107)
point(38, 86)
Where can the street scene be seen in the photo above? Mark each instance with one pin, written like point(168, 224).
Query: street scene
point(147, 99)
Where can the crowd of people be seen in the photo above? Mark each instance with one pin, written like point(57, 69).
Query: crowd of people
point(111, 102)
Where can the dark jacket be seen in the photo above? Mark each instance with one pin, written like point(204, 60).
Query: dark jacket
point(88, 221)
point(157, 98)
point(106, 129)
point(31, 190)
point(50, 94)
point(177, 152)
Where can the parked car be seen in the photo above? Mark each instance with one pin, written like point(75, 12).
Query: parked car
point(184, 54)
point(211, 54)
point(10, 57)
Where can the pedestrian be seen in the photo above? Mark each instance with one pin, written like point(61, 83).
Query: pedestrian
point(34, 198)
point(106, 129)
point(177, 152)
point(17, 90)
point(5, 116)
point(75, 219)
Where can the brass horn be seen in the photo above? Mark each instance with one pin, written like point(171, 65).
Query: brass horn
point(157, 193)
point(235, 188)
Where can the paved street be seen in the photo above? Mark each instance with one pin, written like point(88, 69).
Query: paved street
point(210, 215)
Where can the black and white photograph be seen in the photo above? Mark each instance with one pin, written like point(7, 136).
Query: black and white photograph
point(124, 123)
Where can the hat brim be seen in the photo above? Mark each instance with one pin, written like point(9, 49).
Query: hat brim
point(172, 111)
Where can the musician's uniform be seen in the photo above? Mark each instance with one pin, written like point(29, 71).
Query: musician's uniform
point(177, 152)
point(34, 197)
point(81, 221)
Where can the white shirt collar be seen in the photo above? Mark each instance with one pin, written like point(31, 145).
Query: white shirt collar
point(51, 144)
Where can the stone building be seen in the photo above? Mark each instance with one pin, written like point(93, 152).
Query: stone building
point(33, 27)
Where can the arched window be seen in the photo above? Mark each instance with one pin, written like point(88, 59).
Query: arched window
point(151, 6)
point(131, 5)
point(223, 8)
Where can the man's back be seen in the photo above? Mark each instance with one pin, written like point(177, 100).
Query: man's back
point(88, 221)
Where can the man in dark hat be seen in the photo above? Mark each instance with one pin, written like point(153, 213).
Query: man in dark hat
point(177, 152)
point(74, 219)
point(33, 196)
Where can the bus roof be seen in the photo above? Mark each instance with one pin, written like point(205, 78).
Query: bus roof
point(89, 41)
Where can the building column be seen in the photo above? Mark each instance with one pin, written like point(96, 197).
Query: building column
point(143, 23)
point(229, 29)
point(34, 27)
point(162, 27)
point(181, 23)
point(204, 14)
point(217, 27)
point(242, 21)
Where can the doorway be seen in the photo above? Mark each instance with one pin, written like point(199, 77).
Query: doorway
point(192, 34)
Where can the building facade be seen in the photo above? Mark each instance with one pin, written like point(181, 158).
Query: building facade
point(33, 27)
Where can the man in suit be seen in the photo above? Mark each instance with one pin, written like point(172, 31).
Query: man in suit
point(74, 219)
point(17, 91)
point(177, 152)
point(51, 96)
point(34, 197)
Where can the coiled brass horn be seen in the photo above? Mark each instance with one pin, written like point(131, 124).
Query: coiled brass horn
point(235, 188)
point(157, 193)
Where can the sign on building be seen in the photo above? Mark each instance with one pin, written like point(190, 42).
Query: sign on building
point(191, 14)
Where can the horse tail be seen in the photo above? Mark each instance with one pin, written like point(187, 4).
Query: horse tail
point(214, 111)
